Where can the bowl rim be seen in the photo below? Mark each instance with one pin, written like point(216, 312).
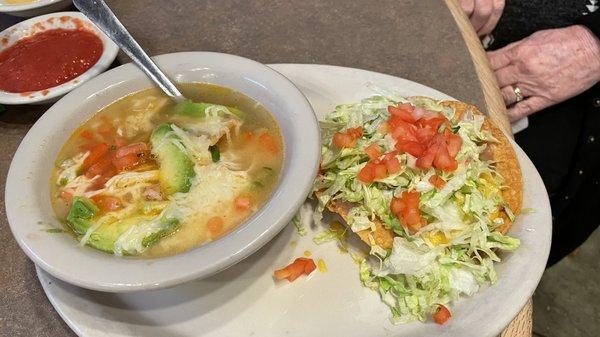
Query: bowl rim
point(109, 53)
point(9, 8)
point(295, 183)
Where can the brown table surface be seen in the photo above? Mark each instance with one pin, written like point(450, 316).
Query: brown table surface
point(413, 39)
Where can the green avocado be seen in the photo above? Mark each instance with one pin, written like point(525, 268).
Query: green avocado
point(192, 109)
point(80, 215)
point(104, 237)
point(176, 169)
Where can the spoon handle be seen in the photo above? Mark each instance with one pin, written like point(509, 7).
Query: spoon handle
point(101, 15)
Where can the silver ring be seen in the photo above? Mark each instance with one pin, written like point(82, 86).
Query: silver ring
point(518, 93)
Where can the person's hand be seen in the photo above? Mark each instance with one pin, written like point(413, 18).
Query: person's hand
point(549, 67)
point(483, 14)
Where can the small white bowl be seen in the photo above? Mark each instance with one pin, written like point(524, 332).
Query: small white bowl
point(30, 9)
point(28, 207)
point(66, 20)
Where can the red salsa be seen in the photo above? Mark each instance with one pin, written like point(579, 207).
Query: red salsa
point(48, 59)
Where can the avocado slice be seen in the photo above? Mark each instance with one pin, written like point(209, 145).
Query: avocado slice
point(104, 237)
point(80, 215)
point(176, 169)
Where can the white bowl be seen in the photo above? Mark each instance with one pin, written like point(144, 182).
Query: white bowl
point(27, 186)
point(54, 21)
point(38, 7)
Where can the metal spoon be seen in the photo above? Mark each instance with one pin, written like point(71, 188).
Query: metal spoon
point(101, 15)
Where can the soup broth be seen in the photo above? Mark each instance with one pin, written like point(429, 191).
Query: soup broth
point(146, 177)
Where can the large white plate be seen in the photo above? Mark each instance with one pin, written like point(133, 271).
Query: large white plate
point(244, 300)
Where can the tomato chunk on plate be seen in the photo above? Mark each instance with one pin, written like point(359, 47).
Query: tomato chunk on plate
point(442, 314)
point(300, 266)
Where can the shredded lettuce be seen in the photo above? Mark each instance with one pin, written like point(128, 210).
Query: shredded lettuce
point(297, 221)
point(328, 236)
point(454, 253)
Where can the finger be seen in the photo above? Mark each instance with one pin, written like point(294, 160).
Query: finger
point(527, 107)
point(508, 94)
point(498, 59)
point(502, 57)
point(481, 13)
point(467, 6)
point(488, 27)
point(507, 75)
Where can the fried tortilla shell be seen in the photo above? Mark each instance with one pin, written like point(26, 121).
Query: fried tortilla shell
point(506, 164)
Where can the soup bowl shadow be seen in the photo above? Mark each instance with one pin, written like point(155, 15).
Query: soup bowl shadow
point(27, 193)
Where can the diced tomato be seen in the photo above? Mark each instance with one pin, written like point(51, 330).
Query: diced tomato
point(135, 149)
point(367, 173)
point(215, 226)
point(390, 155)
point(437, 181)
point(248, 135)
point(442, 314)
point(402, 111)
point(432, 120)
point(127, 162)
point(373, 151)
point(380, 171)
point(406, 208)
point(296, 269)
point(426, 160)
point(425, 135)
point(342, 140)
point(356, 132)
point(443, 161)
point(453, 142)
point(101, 181)
point(107, 203)
point(412, 147)
point(309, 265)
point(87, 134)
point(392, 164)
point(242, 203)
point(97, 152)
point(397, 206)
point(267, 142)
point(292, 271)
point(402, 130)
point(99, 166)
point(281, 274)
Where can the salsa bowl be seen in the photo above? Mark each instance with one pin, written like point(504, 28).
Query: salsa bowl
point(32, 219)
point(39, 24)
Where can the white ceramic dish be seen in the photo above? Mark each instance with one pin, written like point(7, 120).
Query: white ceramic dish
point(66, 20)
point(33, 8)
point(27, 187)
point(244, 300)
